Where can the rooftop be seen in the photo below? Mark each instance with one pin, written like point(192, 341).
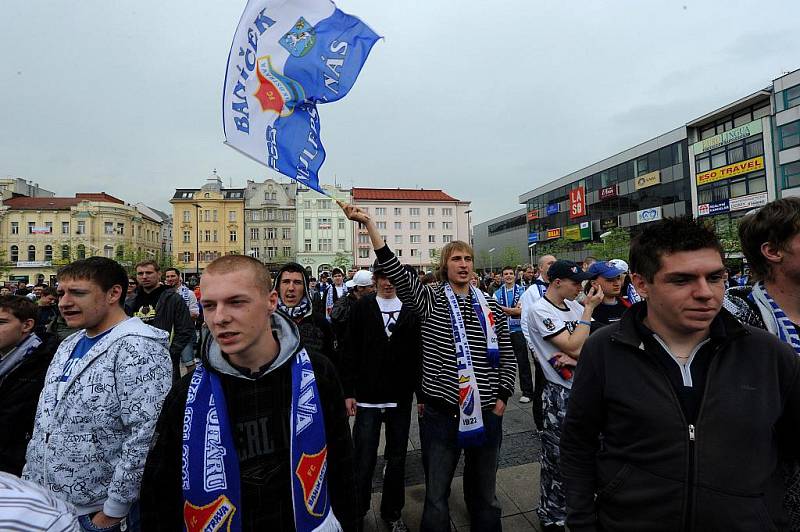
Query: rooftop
point(402, 194)
point(54, 203)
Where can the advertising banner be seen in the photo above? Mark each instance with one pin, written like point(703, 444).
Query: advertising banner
point(577, 202)
point(533, 237)
point(647, 180)
point(748, 202)
point(608, 223)
point(554, 233)
point(552, 209)
point(732, 170)
point(727, 137)
point(533, 215)
point(608, 192)
point(648, 215)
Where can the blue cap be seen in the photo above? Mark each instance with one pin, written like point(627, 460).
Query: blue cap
point(605, 270)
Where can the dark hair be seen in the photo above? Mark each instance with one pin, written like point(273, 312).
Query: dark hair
point(776, 222)
point(336, 271)
point(102, 271)
point(20, 307)
point(670, 235)
point(148, 262)
point(50, 291)
point(171, 269)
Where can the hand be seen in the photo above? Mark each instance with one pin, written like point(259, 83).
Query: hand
point(350, 406)
point(420, 409)
point(101, 520)
point(563, 359)
point(499, 407)
point(594, 297)
point(354, 213)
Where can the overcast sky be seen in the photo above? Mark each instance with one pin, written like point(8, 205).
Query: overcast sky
point(485, 100)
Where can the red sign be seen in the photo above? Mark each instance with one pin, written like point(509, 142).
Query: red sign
point(554, 233)
point(577, 202)
point(608, 192)
point(533, 215)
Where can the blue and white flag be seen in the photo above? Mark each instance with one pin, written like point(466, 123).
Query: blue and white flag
point(286, 57)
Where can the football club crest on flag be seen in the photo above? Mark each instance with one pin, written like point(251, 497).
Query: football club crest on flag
point(286, 58)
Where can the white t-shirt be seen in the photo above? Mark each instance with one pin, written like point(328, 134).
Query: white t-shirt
point(533, 294)
point(547, 321)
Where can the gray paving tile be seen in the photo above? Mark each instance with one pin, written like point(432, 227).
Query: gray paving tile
point(521, 483)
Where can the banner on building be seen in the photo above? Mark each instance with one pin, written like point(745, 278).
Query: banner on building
point(608, 223)
point(577, 202)
point(578, 232)
point(727, 137)
point(533, 215)
point(533, 237)
point(41, 230)
point(647, 180)
point(748, 202)
point(608, 192)
point(709, 209)
point(732, 170)
point(648, 215)
point(286, 58)
point(554, 233)
point(552, 209)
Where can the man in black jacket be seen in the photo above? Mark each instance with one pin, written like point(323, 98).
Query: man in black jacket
point(252, 353)
point(163, 308)
point(381, 358)
point(678, 413)
point(24, 358)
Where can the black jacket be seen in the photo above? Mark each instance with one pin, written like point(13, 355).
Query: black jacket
point(19, 395)
point(375, 368)
point(258, 409)
point(626, 440)
point(172, 316)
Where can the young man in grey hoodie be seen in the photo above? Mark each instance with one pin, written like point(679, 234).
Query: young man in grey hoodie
point(102, 395)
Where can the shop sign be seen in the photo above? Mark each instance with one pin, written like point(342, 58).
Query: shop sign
point(34, 263)
point(727, 137)
point(608, 192)
point(572, 232)
point(552, 209)
point(533, 215)
point(732, 170)
point(554, 233)
point(577, 202)
point(748, 202)
point(647, 180)
point(708, 209)
point(533, 237)
point(608, 223)
point(648, 215)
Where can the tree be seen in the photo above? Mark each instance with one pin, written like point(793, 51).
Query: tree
point(728, 233)
point(5, 264)
point(483, 259)
point(342, 260)
point(509, 257)
point(555, 247)
point(614, 246)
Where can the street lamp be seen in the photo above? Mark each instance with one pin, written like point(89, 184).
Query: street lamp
point(468, 212)
point(491, 261)
point(531, 247)
point(197, 240)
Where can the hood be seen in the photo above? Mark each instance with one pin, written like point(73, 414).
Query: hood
point(129, 327)
point(284, 329)
point(295, 267)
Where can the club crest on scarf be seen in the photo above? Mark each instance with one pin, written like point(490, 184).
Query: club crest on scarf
point(300, 39)
point(311, 471)
point(209, 518)
point(276, 92)
point(466, 397)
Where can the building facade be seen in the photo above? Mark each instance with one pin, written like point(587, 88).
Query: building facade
point(41, 234)
point(208, 222)
point(270, 225)
point(415, 223)
point(14, 186)
point(166, 226)
point(323, 231)
point(786, 101)
point(502, 241)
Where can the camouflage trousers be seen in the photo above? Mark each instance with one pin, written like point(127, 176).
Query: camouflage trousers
point(552, 508)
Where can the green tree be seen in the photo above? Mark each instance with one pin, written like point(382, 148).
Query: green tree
point(5, 264)
point(614, 246)
point(556, 247)
point(728, 233)
point(483, 259)
point(509, 257)
point(342, 260)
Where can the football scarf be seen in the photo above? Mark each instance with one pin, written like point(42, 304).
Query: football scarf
point(210, 466)
point(309, 452)
point(512, 302)
point(297, 312)
point(470, 423)
point(18, 355)
point(633, 295)
point(780, 324)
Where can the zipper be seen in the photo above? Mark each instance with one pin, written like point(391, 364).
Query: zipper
point(44, 466)
point(691, 475)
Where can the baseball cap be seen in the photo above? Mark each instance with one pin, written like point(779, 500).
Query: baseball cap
point(361, 278)
point(606, 270)
point(620, 265)
point(566, 269)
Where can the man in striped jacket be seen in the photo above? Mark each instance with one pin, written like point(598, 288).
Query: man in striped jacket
point(468, 372)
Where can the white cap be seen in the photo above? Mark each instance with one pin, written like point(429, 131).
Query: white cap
point(361, 278)
point(620, 264)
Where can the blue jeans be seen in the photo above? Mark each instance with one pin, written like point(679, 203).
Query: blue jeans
point(129, 524)
point(440, 454)
point(366, 436)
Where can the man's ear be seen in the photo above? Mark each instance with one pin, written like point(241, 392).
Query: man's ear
point(771, 252)
point(640, 284)
point(28, 325)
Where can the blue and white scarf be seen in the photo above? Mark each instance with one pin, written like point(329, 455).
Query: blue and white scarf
point(780, 324)
point(502, 297)
point(470, 425)
point(329, 299)
point(633, 295)
point(20, 353)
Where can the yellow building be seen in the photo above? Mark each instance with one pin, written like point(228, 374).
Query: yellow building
point(38, 235)
point(207, 223)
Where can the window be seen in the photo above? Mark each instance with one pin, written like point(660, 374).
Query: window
point(324, 223)
point(754, 148)
point(718, 158)
point(287, 251)
point(216, 239)
point(431, 211)
point(108, 228)
point(398, 211)
point(271, 233)
point(306, 223)
point(447, 225)
point(447, 211)
point(81, 228)
point(254, 233)
point(447, 238)
point(65, 252)
point(14, 254)
point(791, 97)
point(186, 257)
point(253, 253)
point(31, 225)
point(231, 216)
point(207, 235)
point(14, 228)
point(324, 204)
point(791, 174)
point(414, 211)
point(256, 216)
point(307, 245)
point(186, 216)
point(232, 236)
point(432, 253)
point(431, 239)
point(187, 237)
point(381, 225)
point(341, 244)
point(121, 229)
point(380, 211)
point(207, 215)
point(341, 224)
point(363, 253)
point(414, 252)
point(306, 204)
point(399, 252)
point(415, 239)
point(325, 244)
point(789, 135)
point(108, 251)
point(398, 226)
point(286, 233)
point(431, 225)
point(31, 253)
point(414, 225)
point(398, 239)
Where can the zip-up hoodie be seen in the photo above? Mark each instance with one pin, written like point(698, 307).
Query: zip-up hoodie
point(90, 447)
point(654, 470)
point(258, 411)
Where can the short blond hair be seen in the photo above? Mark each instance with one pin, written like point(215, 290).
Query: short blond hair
point(233, 263)
point(447, 252)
